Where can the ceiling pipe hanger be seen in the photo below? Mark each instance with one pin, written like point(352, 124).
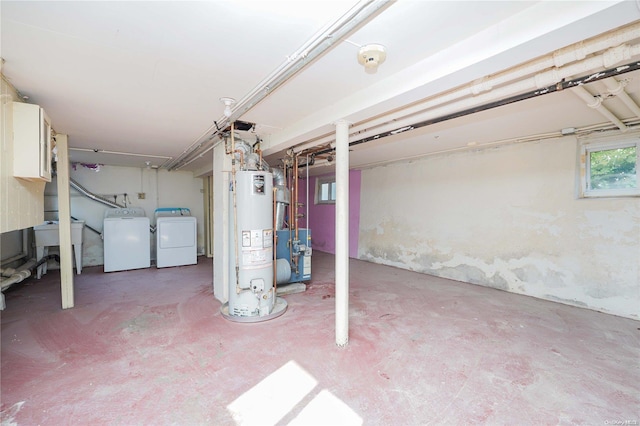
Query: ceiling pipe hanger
point(324, 40)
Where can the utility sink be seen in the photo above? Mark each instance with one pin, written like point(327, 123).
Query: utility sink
point(47, 235)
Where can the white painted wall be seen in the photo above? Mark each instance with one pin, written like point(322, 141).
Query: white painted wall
point(507, 218)
point(161, 188)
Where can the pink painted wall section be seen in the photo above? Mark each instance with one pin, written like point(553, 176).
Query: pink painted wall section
point(322, 217)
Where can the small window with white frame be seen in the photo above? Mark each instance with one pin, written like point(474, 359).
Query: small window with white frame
point(609, 167)
point(326, 190)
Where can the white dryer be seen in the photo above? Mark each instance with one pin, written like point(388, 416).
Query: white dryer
point(176, 237)
point(126, 239)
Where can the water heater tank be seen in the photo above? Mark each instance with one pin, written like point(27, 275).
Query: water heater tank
point(251, 291)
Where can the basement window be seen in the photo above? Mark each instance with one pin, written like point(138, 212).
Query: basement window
point(610, 168)
point(326, 190)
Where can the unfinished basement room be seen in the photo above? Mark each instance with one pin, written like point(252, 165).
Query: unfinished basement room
point(320, 212)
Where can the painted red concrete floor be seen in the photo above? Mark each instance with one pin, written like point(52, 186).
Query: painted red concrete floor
point(150, 347)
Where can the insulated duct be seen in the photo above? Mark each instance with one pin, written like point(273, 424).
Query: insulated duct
point(563, 64)
point(561, 85)
point(282, 197)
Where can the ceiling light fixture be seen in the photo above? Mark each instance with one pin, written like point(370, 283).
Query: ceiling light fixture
point(372, 55)
point(227, 105)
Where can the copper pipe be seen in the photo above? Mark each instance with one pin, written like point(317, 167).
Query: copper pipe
point(311, 151)
point(241, 157)
point(290, 185)
point(295, 189)
point(295, 203)
point(235, 213)
point(274, 246)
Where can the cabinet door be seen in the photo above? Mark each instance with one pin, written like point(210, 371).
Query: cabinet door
point(31, 143)
point(45, 146)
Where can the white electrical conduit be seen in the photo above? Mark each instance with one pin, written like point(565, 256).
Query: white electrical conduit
point(322, 41)
point(128, 154)
point(429, 109)
point(616, 88)
point(595, 102)
point(537, 137)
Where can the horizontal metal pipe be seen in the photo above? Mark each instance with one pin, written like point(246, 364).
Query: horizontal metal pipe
point(327, 37)
point(128, 154)
point(600, 75)
point(84, 191)
point(572, 59)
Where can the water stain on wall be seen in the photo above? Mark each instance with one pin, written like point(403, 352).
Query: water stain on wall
point(509, 219)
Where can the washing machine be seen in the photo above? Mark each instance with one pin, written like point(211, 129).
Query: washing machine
point(126, 239)
point(176, 237)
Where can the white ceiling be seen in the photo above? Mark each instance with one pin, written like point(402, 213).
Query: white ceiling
point(145, 77)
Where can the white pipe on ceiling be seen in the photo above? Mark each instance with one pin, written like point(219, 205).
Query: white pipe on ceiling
point(595, 102)
point(616, 88)
point(128, 154)
point(438, 106)
point(330, 35)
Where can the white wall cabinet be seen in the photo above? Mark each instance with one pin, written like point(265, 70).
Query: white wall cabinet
point(31, 142)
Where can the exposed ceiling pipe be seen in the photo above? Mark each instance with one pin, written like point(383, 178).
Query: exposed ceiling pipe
point(562, 85)
point(617, 52)
point(537, 137)
point(394, 122)
point(616, 88)
point(595, 102)
point(128, 154)
point(84, 191)
point(327, 37)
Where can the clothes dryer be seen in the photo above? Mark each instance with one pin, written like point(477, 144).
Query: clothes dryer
point(176, 237)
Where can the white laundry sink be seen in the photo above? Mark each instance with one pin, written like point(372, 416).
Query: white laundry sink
point(47, 234)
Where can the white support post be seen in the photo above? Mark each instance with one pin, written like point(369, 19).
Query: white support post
point(342, 233)
point(64, 220)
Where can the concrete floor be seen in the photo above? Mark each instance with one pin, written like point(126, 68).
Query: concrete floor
point(150, 347)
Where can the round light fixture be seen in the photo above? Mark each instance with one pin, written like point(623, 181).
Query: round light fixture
point(227, 105)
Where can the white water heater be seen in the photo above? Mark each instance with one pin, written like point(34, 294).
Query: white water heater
point(252, 295)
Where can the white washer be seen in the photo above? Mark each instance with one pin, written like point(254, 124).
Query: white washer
point(176, 237)
point(126, 239)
